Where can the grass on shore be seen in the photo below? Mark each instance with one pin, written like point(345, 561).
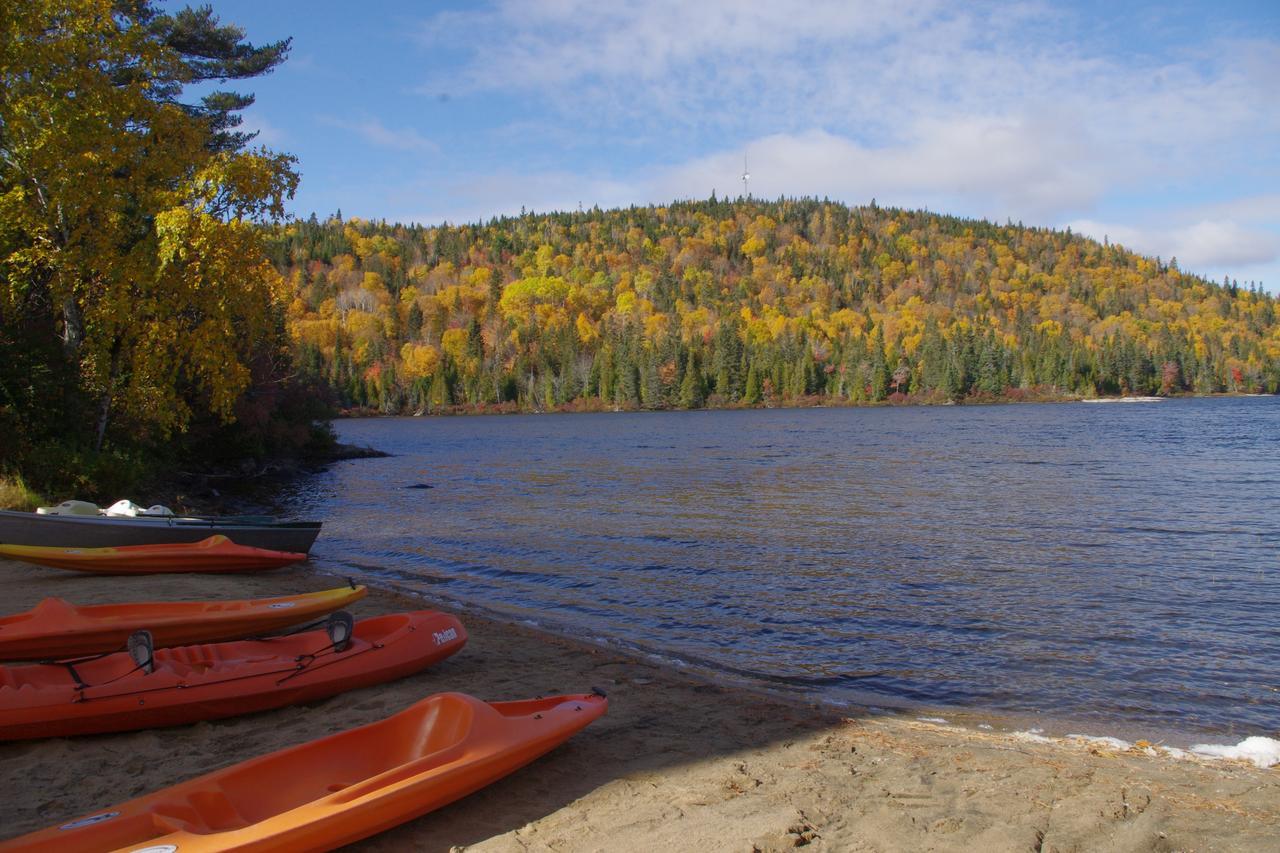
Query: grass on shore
point(15, 494)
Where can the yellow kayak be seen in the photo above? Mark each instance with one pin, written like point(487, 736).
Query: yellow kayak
point(214, 554)
point(55, 629)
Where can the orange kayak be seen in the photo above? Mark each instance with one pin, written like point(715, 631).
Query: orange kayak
point(55, 629)
point(214, 554)
point(189, 683)
point(338, 789)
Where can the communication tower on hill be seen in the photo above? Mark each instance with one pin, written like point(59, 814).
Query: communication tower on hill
point(746, 178)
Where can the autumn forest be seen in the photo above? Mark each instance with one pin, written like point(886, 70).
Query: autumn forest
point(746, 302)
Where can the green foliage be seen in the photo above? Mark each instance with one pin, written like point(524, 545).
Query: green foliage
point(691, 385)
point(67, 470)
point(15, 494)
point(751, 393)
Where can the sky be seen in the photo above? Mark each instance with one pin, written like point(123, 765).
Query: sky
point(1155, 125)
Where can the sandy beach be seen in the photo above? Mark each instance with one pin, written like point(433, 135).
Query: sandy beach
point(678, 762)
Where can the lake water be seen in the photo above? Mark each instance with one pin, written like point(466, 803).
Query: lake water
point(1112, 565)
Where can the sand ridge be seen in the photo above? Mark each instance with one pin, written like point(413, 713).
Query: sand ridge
point(678, 762)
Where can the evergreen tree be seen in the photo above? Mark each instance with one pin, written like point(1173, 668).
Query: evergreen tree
point(878, 377)
point(751, 391)
point(650, 386)
point(691, 395)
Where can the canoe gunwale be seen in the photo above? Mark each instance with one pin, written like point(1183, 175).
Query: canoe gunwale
point(27, 528)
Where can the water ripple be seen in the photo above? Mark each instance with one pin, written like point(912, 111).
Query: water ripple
point(1102, 563)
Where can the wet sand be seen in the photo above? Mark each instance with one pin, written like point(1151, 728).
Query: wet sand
point(678, 762)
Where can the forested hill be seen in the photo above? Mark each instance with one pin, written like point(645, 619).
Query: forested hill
point(736, 303)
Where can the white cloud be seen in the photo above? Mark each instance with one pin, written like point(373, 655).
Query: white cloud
point(1260, 209)
point(1226, 243)
point(719, 60)
point(1238, 236)
point(993, 167)
point(1001, 111)
point(994, 100)
point(548, 42)
point(1205, 246)
point(376, 133)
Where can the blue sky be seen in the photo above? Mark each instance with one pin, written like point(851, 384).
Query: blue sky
point(1155, 124)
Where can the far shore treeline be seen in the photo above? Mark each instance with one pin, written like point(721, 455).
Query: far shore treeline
point(745, 302)
point(159, 313)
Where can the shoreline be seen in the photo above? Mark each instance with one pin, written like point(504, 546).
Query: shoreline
point(1012, 723)
point(893, 401)
point(678, 759)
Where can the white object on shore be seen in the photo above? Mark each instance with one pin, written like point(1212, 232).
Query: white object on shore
point(128, 509)
point(1033, 736)
point(1123, 400)
point(1262, 751)
point(1103, 740)
point(69, 508)
point(123, 508)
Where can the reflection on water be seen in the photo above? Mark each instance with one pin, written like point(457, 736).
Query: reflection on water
point(1098, 562)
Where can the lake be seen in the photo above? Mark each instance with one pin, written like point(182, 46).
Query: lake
point(1114, 566)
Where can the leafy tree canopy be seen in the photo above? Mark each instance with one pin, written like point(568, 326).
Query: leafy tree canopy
point(134, 291)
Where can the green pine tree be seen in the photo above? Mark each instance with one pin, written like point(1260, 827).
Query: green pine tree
point(691, 385)
point(751, 393)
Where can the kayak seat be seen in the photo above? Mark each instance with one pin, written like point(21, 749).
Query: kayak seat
point(182, 660)
point(34, 677)
point(143, 650)
point(407, 747)
point(203, 812)
point(8, 681)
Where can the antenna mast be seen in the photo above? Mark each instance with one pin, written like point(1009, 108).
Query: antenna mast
point(746, 178)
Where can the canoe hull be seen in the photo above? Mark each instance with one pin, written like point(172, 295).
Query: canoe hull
point(212, 681)
point(214, 554)
point(70, 531)
point(338, 789)
point(55, 629)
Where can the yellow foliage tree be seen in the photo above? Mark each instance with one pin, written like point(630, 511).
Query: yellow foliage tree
point(418, 361)
point(125, 216)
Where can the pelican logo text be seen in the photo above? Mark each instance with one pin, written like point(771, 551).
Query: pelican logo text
point(445, 636)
